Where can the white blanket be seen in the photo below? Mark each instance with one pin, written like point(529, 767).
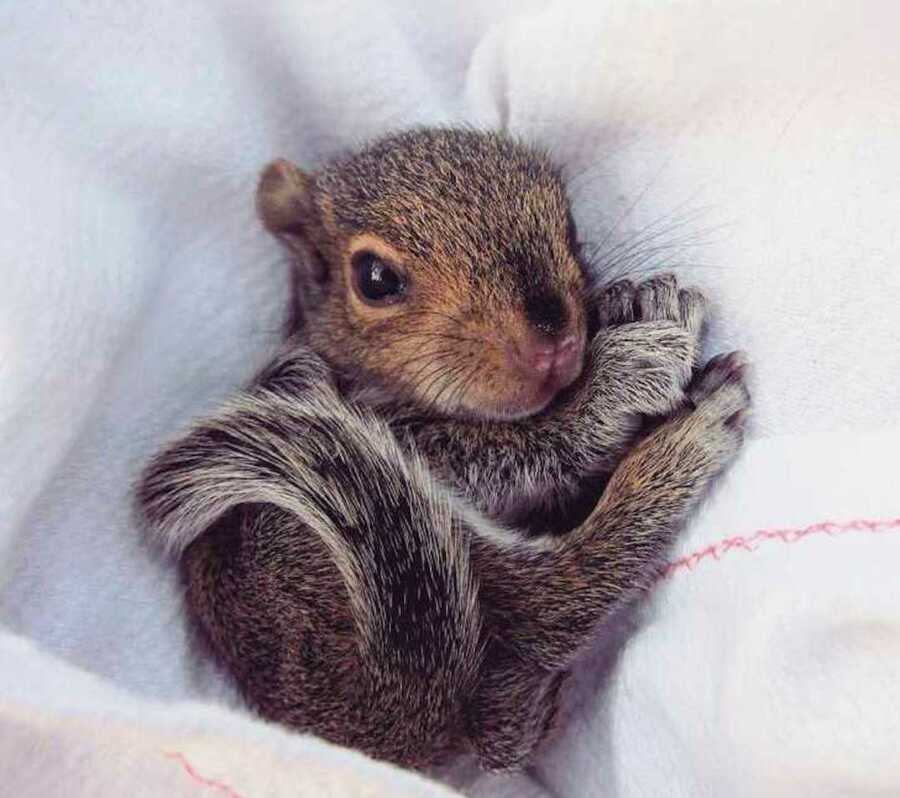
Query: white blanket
point(753, 147)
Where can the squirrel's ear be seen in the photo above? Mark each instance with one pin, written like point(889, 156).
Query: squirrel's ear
point(285, 205)
point(284, 202)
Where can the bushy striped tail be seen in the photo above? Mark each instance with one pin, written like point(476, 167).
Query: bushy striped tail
point(386, 525)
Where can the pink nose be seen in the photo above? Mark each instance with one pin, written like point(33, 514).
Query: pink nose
point(561, 358)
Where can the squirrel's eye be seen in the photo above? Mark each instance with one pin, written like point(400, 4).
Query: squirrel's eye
point(377, 282)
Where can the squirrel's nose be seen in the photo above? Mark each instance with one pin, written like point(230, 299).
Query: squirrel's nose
point(568, 359)
point(559, 359)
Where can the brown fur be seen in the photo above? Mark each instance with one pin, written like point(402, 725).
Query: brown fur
point(344, 522)
point(480, 224)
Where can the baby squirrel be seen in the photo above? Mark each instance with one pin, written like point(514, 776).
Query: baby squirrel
point(345, 523)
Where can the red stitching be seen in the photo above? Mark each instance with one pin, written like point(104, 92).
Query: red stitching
point(752, 542)
point(189, 769)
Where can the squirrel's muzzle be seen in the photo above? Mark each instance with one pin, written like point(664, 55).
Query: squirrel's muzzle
point(549, 364)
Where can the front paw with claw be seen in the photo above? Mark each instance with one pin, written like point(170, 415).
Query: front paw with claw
point(645, 367)
point(709, 430)
point(656, 299)
point(649, 342)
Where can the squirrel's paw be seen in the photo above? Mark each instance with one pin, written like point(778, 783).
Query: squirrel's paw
point(648, 366)
point(721, 403)
point(615, 304)
point(660, 299)
point(656, 299)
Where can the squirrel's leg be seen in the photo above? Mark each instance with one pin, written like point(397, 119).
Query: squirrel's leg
point(634, 370)
point(544, 598)
point(512, 711)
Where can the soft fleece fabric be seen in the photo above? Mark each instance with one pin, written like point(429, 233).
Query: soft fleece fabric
point(753, 147)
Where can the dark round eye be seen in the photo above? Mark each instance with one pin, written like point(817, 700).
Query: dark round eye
point(376, 281)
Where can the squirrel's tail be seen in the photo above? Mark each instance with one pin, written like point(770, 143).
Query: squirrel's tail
point(389, 531)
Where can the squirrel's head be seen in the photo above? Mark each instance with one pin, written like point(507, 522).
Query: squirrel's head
point(442, 265)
